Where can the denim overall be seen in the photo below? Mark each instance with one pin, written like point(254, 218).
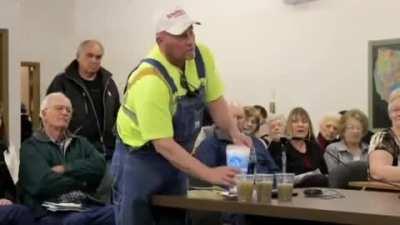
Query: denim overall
point(141, 173)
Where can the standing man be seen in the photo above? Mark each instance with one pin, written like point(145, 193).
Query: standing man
point(93, 94)
point(159, 119)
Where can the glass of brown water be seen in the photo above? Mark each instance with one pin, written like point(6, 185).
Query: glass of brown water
point(245, 184)
point(284, 183)
point(264, 184)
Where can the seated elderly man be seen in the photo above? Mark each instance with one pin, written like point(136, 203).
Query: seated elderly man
point(57, 166)
point(211, 150)
point(328, 131)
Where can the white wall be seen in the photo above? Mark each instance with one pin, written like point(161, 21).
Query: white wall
point(39, 31)
point(312, 55)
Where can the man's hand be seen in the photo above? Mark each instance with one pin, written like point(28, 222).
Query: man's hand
point(222, 175)
point(60, 169)
point(4, 202)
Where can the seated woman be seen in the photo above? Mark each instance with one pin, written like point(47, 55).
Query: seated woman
point(262, 113)
point(385, 145)
point(353, 125)
point(328, 131)
point(276, 129)
point(252, 121)
point(302, 152)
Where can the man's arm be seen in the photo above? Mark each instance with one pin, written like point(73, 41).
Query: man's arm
point(90, 168)
point(223, 118)
point(182, 160)
point(38, 178)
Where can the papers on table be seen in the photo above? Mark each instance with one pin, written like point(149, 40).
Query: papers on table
point(63, 206)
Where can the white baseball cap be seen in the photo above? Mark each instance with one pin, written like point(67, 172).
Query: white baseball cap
point(175, 21)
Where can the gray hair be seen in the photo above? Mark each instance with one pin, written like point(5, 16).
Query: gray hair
point(86, 43)
point(276, 117)
point(47, 99)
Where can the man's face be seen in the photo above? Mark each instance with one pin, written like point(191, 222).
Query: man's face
point(179, 47)
point(329, 130)
point(238, 116)
point(58, 113)
point(90, 58)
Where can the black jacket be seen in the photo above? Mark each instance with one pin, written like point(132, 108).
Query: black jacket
point(85, 120)
point(7, 187)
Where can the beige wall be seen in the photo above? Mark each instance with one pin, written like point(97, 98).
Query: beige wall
point(39, 31)
point(313, 55)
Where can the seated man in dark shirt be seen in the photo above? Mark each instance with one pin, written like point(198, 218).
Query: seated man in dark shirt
point(59, 167)
point(212, 150)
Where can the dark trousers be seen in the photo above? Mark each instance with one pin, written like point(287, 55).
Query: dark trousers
point(95, 216)
point(15, 215)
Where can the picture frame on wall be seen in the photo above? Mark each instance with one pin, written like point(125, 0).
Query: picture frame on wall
point(384, 77)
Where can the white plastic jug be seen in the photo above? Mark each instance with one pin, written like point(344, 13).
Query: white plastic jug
point(237, 156)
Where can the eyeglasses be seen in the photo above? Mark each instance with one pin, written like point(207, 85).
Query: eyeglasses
point(60, 108)
point(355, 128)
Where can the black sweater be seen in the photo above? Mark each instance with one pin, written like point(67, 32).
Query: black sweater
point(297, 162)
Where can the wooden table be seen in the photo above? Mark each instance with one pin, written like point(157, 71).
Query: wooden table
point(357, 207)
point(375, 185)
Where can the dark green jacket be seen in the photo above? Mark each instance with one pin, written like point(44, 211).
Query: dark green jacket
point(85, 167)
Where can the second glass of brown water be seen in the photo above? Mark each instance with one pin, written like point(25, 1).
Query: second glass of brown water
point(264, 183)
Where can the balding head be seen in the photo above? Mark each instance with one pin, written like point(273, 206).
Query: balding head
point(237, 111)
point(89, 55)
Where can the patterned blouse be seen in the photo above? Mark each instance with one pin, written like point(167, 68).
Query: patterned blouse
point(386, 140)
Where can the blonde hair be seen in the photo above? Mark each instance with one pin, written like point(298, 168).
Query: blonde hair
point(276, 117)
point(330, 118)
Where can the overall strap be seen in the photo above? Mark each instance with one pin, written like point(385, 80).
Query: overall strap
point(163, 72)
point(201, 70)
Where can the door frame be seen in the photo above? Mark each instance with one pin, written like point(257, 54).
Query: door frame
point(34, 80)
point(4, 81)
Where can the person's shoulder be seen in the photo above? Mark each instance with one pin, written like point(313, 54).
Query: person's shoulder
point(29, 144)
point(60, 77)
point(382, 134)
point(333, 148)
point(105, 72)
point(211, 139)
